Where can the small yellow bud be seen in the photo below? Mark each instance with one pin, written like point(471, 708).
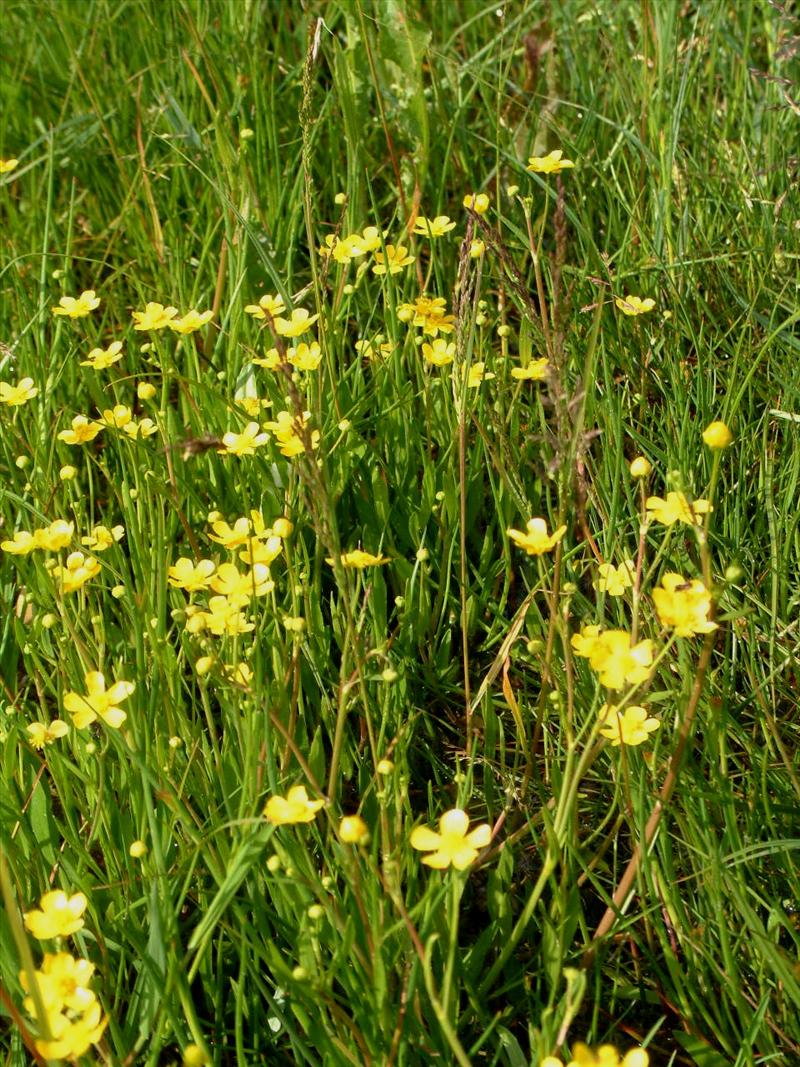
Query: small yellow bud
point(353, 830)
point(340, 198)
point(479, 202)
point(389, 674)
point(91, 748)
point(476, 249)
point(717, 435)
point(22, 462)
point(385, 766)
point(246, 133)
point(175, 742)
point(118, 592)
point(67, 473)
point(315, 912)
point(145, 390)
point(138, 849)
point(204, 665)
point(274, 863)
point(503, 331)
point(282, 528)
point(194, 1056)
point(512, 190)
point(299, 974)
point(49, 621)
point(640, 467)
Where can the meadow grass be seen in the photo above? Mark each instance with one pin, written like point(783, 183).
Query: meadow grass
point(197, 154)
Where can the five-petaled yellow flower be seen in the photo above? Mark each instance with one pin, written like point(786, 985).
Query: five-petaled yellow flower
point(629, 727)
point(191, 321)
point(154, 317)
point(78, 570)
point(299, 322)
point(477, 374)
point(536, 371)
point(294, 807)
point(395, 259)
point(77, 307)
point(552, 163)
point(634, 305)
point(184, 574)
point(57, 915)
point(611, 654)
point(684, 605)
point(100, 358)
point(98, 702)
point(16, 395)
point(676, 508)
point(244, 443)
point(268, 307)
point(452, 844)
point(615, 580)
point(437, 227)
point(537, 540)
point(440, 353)
point(83, 430)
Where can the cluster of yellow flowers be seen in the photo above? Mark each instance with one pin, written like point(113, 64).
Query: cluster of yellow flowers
point(257, 546)
point(61, 987)
point(78, 568)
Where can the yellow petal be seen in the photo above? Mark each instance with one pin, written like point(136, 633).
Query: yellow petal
point(454, 822)
point(424, 839)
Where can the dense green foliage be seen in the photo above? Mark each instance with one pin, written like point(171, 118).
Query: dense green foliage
point(137, 178)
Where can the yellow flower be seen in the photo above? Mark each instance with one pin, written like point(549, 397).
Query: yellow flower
point(343, 249)
point(630, 727)
point(393, 261)
point(118, 416)
point(63, 983)
point(24, 542)
point(305, 357)
point(268, 307)
point(137, 850)
point(184, 574)
point(440, 353)
point(553, 163)
point(676, 508)
point(634, 305)
point(98, 702)
point(604, 1056)
point(244, 443)
point(145, 390)
point(142, 428)
point(616, 661)
point(154, 317)
point(479, 202)
point(353, 830)
point(359, 559)
point(298, 323)
point(7, 165)
point(477, 373)
point(370, 239)
point(77, 307)
point(452, 845)
point(102, 538)
point(16, 395)
point(375, 348)
point(537, 540)
point(476, 249)
point(294, 807)
point(262, 552)
point(67, 472)
point(232, 536)
point(191, 321)
point(41, 733)
point(640, 467)
point(55, 536)
point(252, 405)
point(78, 571)
point(583, 643)
point(536, 371)
point(272, 359)
point(437, 227)
point(100, 358)
point(222, 618)
point(615, 580)
point(429, 312)
point(683, 605)
point(288, 429)
point(717, 435)
point(72, 1037)
point(240, 588)
point(83, 430)
point(57, 915)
